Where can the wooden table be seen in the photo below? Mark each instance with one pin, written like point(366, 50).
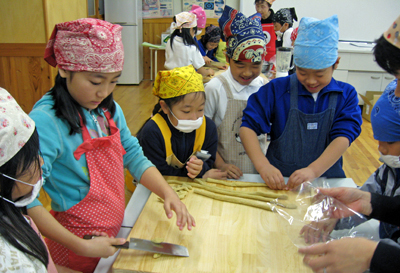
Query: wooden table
point(227, 238)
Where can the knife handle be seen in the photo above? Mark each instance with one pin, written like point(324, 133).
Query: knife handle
point(124, 246)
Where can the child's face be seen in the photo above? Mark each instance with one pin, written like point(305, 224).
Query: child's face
point(244, 72)
point(211, 46)
point(279, 27)
point(190, 108)
point(315, 80)
point(89, 89)
point(31, 176)
point(263, 9)
point(389, 148)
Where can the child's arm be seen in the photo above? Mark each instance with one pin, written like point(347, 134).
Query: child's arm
point(331, 154)
point(155, 182)
point(232, 170)
point(271, 175)
point(52, 229)
point(205, 71)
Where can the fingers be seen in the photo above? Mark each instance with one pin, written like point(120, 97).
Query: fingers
point(275, 182)
point(194, 166)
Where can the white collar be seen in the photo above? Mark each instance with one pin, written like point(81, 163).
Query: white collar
point(237, 86)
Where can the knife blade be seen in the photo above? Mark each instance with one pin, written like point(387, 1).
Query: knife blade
point(147, 245)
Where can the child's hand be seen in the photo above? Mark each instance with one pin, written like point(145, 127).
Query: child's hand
point(207, 60)
point(211, 72)
point(183, 217)
point(225, 67)
point(232, 171)
point(194, 166)
point(315, 232)
point(101, 246)
point(300, 176)
point(272, 177)
point(216, 174)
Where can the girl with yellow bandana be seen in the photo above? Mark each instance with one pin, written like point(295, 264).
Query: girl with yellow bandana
point(179, 139)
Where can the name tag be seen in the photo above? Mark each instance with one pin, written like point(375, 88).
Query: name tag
point(312, 126)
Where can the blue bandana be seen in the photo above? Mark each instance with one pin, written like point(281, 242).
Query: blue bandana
point(316, 46)
point(245, 40)
point(385, 115)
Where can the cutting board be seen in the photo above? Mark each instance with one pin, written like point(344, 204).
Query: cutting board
point(227, 238)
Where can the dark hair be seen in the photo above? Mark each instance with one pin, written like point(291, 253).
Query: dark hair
point(13, 226)
point(387, 56)
point(262, 1)
point(67, 108)
point(170, 102)
point(285, 15)
point(184, 33)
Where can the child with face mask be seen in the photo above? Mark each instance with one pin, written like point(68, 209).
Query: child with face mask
point(178, 131)
point(182, 49)
point(22, 246)
point(283, 26)
point(311, 117)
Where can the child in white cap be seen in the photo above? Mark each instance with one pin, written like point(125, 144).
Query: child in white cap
point(22, 246)
point(312, 118)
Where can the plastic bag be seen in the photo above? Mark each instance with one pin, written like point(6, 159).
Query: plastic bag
point(320, 218)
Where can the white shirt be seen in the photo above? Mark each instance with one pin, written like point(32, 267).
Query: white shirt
point(182, 55)
point(217, 100)
point(286, 38)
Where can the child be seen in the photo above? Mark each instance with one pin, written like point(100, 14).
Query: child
point(283, 26)
point(178, 129)
point(209, 42)
point(22, 246)
point(182, 49)
point(312, 118)
point(227, 94)
point(86, 145)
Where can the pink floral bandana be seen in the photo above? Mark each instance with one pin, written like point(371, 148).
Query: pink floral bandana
point(16, 127)
point(86, 45)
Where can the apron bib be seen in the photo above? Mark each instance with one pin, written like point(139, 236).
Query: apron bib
point(171, 159)
point(304, 138)
point(103, 207)
point(230, 147)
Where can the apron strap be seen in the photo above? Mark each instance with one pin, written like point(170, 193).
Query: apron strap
point(226, 86)
point(293, 91)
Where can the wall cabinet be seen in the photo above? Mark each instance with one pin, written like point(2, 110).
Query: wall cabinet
point(358, 68)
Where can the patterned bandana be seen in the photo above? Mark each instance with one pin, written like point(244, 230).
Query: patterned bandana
point(213, 34)
point(316, 46)
point(86, 45)
point(392, 35)
point(184, 20)
point(177, 82)
point(200, 15)
point(16, 127)
point(285, 15)
point(245, 40)
point(385, 115)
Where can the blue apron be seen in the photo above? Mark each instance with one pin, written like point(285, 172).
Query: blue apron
point(304, 138)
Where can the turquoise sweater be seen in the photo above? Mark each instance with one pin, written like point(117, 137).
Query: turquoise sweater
point(66, 180)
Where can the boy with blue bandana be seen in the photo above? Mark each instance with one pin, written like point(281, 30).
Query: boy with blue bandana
point(227, 93)
point(311, 117)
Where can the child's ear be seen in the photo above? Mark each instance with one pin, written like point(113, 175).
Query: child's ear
point(336, 63)
point(164, 107)
point(63, 73)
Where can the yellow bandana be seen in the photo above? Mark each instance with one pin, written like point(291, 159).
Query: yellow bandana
point(177, 82)
point(392, 35)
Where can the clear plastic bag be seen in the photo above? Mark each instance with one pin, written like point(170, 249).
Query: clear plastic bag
point(320, 218)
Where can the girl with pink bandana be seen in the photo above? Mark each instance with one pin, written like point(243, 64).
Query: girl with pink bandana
point(86, 145)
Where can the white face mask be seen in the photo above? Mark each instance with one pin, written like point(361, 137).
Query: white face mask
point(390, 160)
point(185, 125)
point(279, 33)
point(29, 198)
point(199, 32)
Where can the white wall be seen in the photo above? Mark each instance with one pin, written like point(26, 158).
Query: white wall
point(359, 20)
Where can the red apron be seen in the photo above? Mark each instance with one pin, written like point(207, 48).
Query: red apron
point(270, 35)
point(103, 207)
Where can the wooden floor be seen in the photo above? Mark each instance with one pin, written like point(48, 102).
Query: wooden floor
point(360, 160)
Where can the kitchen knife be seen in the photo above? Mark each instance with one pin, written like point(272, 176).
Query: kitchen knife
point(146, 245)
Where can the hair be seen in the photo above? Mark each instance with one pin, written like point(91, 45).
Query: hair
point(170, 103)
point(69, 109)
point(13, 226)
point(184, 33)
point(262, 1)
point(387, 56)
point(292, 14)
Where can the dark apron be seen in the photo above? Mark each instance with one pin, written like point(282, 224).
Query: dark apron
point(304, 138)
